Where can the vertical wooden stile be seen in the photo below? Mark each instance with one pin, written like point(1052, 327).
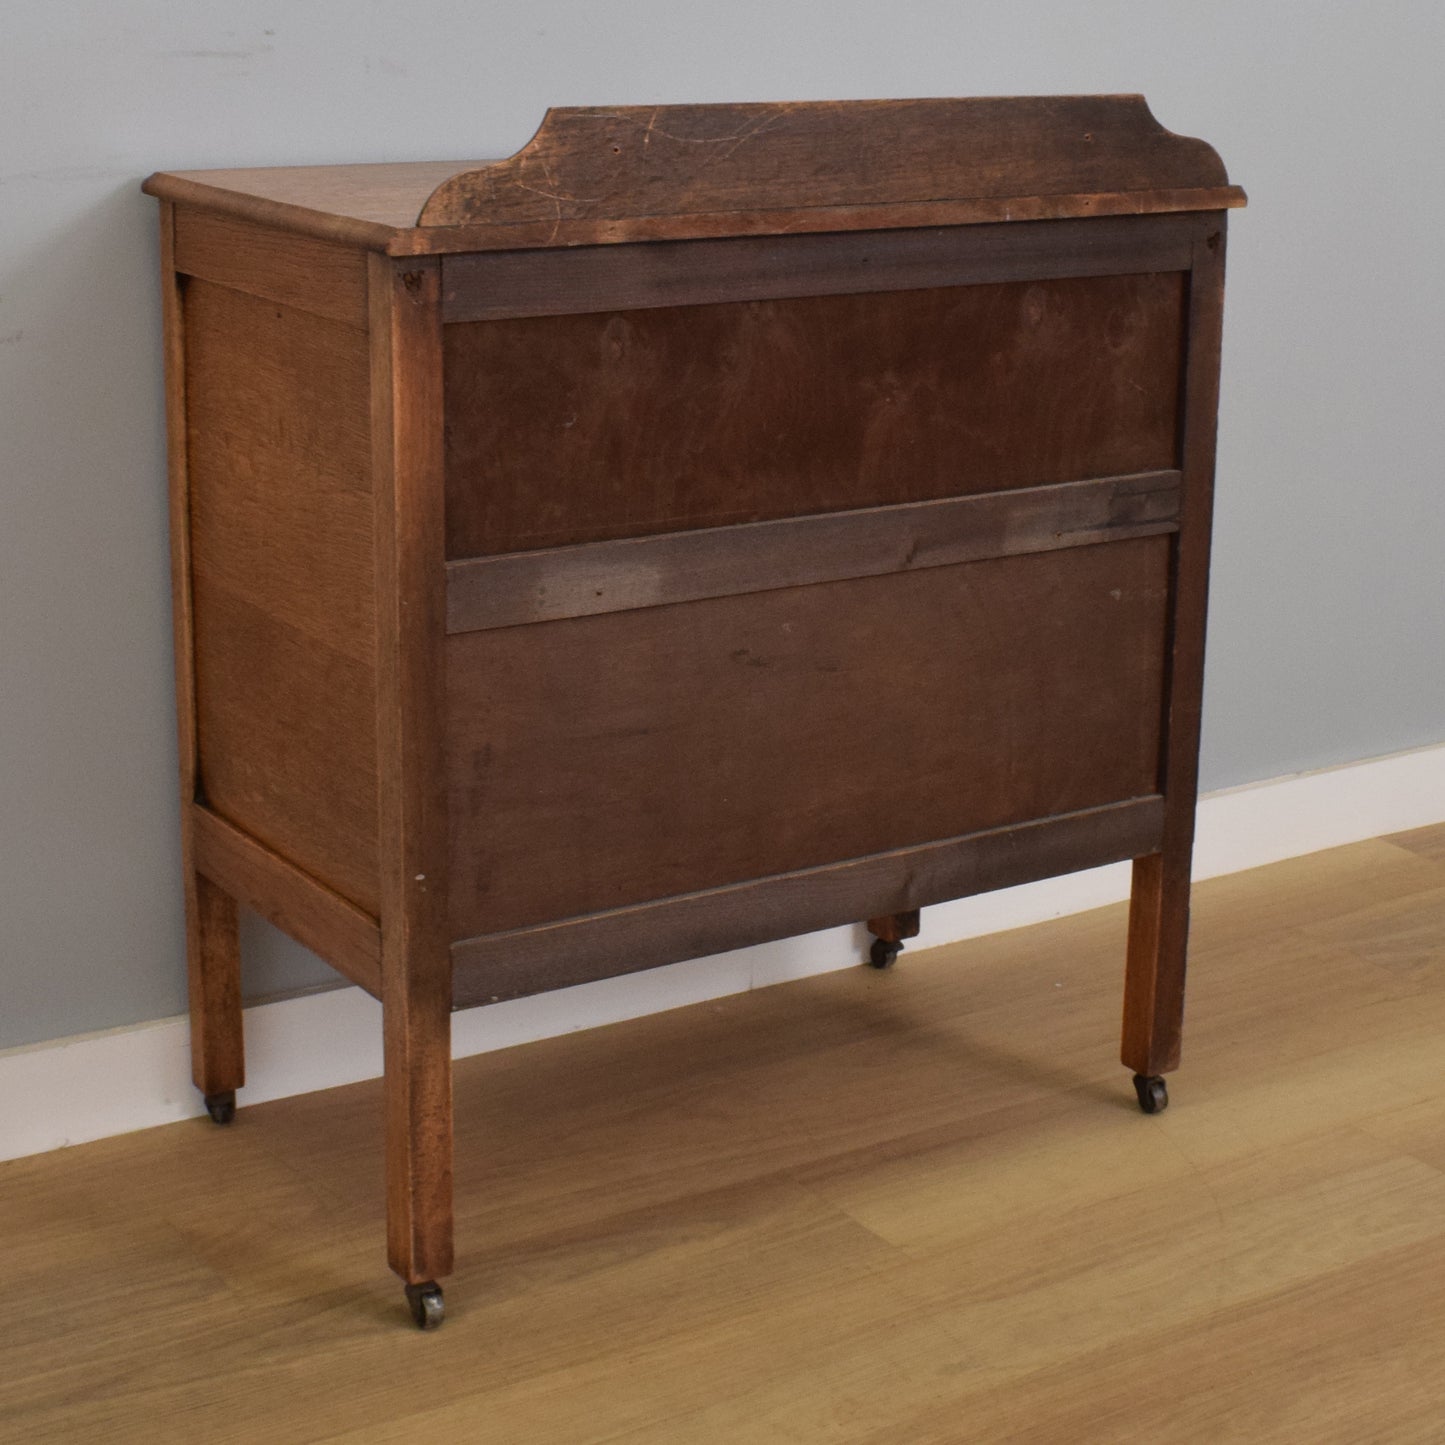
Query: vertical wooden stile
point(1159, 906)
point(405, 319)
point(213, 958)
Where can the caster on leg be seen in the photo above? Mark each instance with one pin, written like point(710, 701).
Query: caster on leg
point(889, 930)
point(221, 1107)
point(1153, 1093)
point(884, 954)
point(427, 1306)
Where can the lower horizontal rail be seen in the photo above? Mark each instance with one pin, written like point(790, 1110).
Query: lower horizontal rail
point(601, 945)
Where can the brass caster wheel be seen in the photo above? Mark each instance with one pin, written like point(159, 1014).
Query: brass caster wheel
point(221, 1107)
point(884, 954)
point(428, 1308)
point(1153, 1093)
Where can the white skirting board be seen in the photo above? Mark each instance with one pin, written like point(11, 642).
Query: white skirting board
point(73, 1090)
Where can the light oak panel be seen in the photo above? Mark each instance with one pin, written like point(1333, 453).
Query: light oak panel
point(299, 271)
point(280, 514)
point(285, 755)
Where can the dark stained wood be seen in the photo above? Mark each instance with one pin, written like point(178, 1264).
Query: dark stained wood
point(602, 761)
point(598, 577)
point(1159, 907)
point(576, 950)
point(622, 162)
point(296, 903)
point(896, 927)
point(603, 175)
point(498, 285)
point(213, 955)
point(298, 271)
point(568, 429)
point(410, 586)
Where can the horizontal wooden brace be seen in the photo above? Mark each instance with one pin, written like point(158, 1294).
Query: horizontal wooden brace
point(624, 940)
point(632, 572)
point(489, 286)
point(303, 272)
point(342, 934)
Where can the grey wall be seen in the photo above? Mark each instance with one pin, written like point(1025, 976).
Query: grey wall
point(1328, 622)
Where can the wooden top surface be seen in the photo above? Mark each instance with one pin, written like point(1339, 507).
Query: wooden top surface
point(601, 174)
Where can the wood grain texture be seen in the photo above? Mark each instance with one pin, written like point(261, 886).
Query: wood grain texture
point(286, 756)
point(405, 307)
point(911, 215)
point(567, 429)
point(323, 921)
point(860, 1208)
point(617, 174)
point(287, 198)
point(369, 206)
point(622, 162)
point(498, 285)
point(606, 760)
point(213, 956)
point(598, 577)
point(279, 443)
point(1428, 842)
point(695, 925)
point(281, 542)
point(1159, 918)
point(298, 271)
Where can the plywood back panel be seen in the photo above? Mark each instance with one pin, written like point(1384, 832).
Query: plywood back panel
point(565, 429)
point(602, 761)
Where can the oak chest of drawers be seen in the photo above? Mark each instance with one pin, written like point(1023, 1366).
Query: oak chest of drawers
point(711, 524)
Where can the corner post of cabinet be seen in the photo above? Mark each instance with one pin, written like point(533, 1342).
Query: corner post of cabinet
point(213, 956)
point(1159, 904)
point(404, 307)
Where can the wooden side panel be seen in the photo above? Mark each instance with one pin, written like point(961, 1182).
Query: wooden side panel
point(567, 429)
point(282, 567)
point(602, 761)
point(300, 271)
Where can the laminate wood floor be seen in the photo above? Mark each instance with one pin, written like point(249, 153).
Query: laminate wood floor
point(890, 1209)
